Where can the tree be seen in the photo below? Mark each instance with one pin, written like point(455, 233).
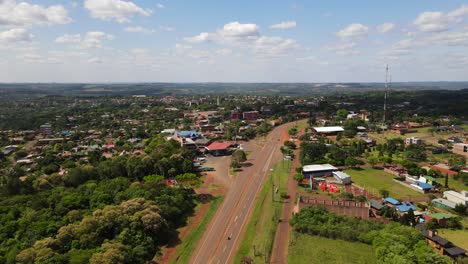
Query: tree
point(298, 177)
point(372, 160)
point(460, 209)
point(384, 193)
point(342, 113)
point(352, 162)
point(446, 181)
point(293, 131)
point(239, 155)
point(457, 162)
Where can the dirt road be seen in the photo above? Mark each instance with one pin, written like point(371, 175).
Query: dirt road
point(231, 218)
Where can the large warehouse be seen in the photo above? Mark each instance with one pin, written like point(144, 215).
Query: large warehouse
point(331, 130)
point(318, 170)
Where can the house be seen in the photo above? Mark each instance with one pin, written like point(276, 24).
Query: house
point(342, 177)
point(251, 115)
point(442, 245)
point(46, 129)
point(404, 207)
point(391, 202)
point(422, 186)
point(454, 140)
point(168, 131)
point(444, 169)
point(318, 170)
point(457, 197)
point(413, 141)
point(440, 218)
point(444, 203)
point(9, 149)
point(460, 148)
point(236, 115)
point(218, 148)
point(331, 130)
point(188, 134)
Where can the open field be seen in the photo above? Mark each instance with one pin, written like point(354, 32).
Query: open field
point(314, 249)
point(188, 244)
point(424, 133)
point(458, 185)
point(373, 180)
point(262, 226)
point(458, 237)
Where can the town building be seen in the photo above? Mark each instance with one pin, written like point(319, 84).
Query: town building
point(413, 141)
point(218, 148)
point(342, 177)
point(331, 130)
point(442, 245)
point(251, 115)
point(457, 197)
point(461, 148)
point(318, 170)
point(46, 129)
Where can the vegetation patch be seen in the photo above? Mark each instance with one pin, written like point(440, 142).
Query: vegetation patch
point(187, 246)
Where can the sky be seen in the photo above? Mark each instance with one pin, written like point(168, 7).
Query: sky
point(233, 41)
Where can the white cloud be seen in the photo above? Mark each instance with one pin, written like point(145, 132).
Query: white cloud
point(274, 46)
point(353, 30)
point(459, 38)
point(15, 35)
point(95, 60)
point(232, 33)
point(439, 21)
point(237, 30)
point(166, 28)
point(119, 10)
point(160, 6)
point(69, 38)
point(25, 14)
point(284, 25)
point(343, 49)
point(385, 27)
point(182, 46)
point(433, 22)
point(139, 30)
point(200, 38)
point(92, 39)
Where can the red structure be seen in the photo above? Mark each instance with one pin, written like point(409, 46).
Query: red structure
point(252, 115)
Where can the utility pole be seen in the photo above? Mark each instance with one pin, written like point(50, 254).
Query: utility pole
point(385, 96)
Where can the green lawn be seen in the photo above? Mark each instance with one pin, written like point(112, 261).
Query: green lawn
point(263, 223)
point(185, 249)
point(373, 180)
point(458, 237)
point(458, 185)
point(313, 249)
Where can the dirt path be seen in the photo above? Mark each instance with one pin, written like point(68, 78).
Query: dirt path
point(280, 246)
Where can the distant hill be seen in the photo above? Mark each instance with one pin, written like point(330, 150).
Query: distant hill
point(29, 90)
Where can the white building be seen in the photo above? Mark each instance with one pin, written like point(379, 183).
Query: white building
point(342, 177)
point(318, 170)
point(413, 141)
point(457, 197)
point(328, 130)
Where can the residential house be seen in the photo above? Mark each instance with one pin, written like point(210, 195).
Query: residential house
point(457, 197)
point(413, 141)
point(251, 115)
point(442, 245)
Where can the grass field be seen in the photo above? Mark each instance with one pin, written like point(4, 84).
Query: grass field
point(373, 180)
point(458, 185)
point(458, 237)
point(263, 223)
point(185, 249)
point(313, 249)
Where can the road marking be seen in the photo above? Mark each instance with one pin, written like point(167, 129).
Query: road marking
point(236, 218)
point(225, 247)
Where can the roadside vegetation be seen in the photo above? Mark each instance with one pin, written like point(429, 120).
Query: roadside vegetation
point(259, 237)
point(392, 243)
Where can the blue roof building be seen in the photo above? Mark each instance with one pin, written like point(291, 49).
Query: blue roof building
point(188, 134)
point(392, 201)
point(405, 207)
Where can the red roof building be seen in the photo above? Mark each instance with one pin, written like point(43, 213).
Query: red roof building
point(444, 170)
point(216, 146)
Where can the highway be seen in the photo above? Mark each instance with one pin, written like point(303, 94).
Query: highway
point(231, 218)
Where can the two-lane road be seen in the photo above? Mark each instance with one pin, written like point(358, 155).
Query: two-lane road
point(231, 218)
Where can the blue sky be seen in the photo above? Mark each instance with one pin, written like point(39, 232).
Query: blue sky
point(232, 41)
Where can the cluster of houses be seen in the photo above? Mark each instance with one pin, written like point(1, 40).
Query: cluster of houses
point(402, 208)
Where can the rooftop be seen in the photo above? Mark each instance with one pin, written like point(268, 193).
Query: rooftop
point(318, 167)
point(392, 201)
point(341, 175)
point(218, 145)
point(439, 216)
point(329, 129)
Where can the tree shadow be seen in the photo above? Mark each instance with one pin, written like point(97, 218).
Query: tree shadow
point(247, 164)
point(205, 198)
